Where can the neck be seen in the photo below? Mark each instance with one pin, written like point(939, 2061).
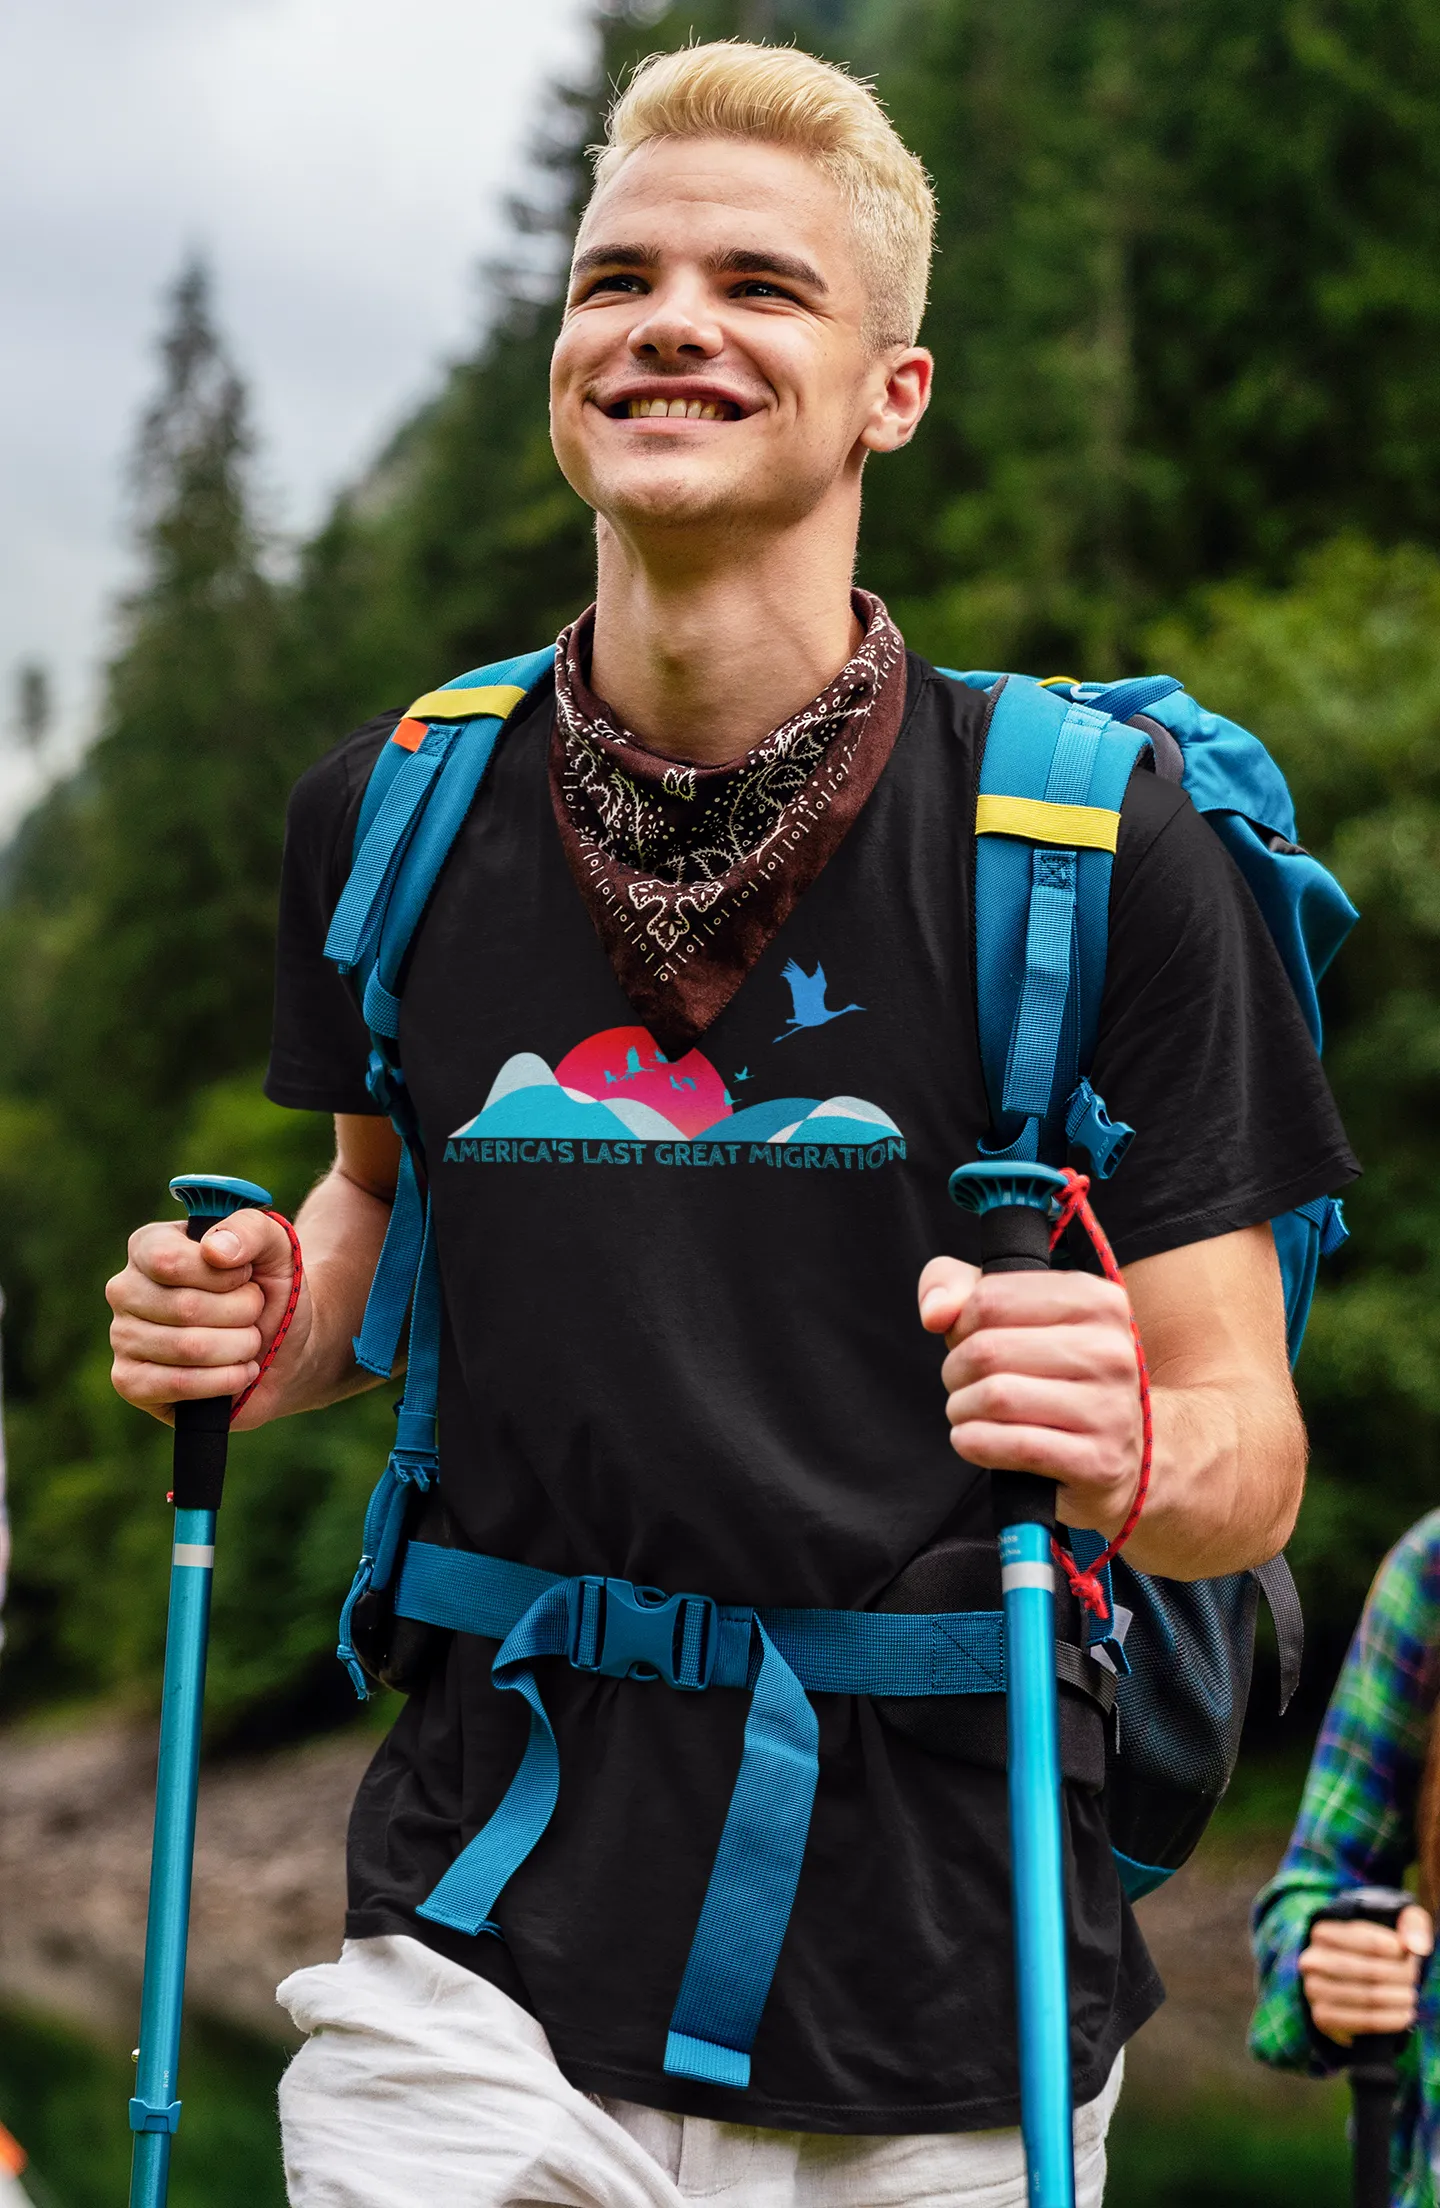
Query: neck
point(702, 656)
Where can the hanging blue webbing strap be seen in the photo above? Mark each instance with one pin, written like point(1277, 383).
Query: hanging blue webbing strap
point(1037, 1036)
point(779, 1656)
point(466, 1894)
point(752, 1884)
point(414, 1461)
point(1044, 1041)
point(1051, 786)
point(378, 1342)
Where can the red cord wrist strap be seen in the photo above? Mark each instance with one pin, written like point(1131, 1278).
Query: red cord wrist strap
point(297, 1275)
point(1086, 1584)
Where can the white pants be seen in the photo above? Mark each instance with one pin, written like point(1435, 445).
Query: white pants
point(422, 2086)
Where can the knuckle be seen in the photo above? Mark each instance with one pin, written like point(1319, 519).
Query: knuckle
point(167, 1262)
point(196, 1381)
point(132, 1383)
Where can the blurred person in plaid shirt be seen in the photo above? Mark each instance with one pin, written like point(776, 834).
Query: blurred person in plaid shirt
point(1370, 1812)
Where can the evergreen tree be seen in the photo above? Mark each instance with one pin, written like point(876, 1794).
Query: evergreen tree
point(1341, 672)
point(1185, 307)
point(162, 853)
point(137, 928)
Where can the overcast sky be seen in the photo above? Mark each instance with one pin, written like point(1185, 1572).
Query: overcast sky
point(340, 163)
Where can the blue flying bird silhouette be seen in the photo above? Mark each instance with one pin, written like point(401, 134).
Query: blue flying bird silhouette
point(807, 997)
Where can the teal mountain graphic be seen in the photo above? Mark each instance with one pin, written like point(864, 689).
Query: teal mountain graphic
point(527, 1101)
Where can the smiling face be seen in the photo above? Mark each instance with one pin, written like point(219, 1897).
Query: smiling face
point(713, 375)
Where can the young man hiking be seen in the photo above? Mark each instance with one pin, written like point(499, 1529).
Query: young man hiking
point(724, 855)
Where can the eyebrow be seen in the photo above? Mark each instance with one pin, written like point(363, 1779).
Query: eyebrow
point(734, 260)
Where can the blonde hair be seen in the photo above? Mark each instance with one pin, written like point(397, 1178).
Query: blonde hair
point(787, 98)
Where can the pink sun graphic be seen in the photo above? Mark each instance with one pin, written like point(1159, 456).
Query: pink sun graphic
point(624, 1061)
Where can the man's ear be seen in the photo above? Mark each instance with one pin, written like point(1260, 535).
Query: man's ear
point(901, 400)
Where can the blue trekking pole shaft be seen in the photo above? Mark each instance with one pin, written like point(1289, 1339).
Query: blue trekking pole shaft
point(201, 1438)
point(1016, 1205)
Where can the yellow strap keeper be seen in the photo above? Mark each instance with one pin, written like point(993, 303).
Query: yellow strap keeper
point(1076, 827)
point(500, 698)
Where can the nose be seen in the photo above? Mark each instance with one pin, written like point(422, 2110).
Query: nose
point(676, 325)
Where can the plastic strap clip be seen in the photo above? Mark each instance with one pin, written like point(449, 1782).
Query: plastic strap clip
point(1089, 1127)
point(629, 1632)
point(154, 2115)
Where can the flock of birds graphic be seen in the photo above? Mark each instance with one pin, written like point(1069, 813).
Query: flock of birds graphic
point(807, 1009)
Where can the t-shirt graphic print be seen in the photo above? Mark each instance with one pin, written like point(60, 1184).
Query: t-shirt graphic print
point(616, 1099)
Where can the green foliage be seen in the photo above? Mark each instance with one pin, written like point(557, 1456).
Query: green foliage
point(1185, 307)
point(137, 923)
point(1342, 674)
point(1213, 2151)
point(1185, 312)
point(64, 2097)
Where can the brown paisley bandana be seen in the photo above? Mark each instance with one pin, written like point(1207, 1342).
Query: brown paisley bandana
point(690, 871)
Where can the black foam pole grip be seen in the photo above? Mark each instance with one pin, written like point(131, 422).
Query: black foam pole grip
point(1371, 2058)
point(202, 1435)
point(1015, 1238)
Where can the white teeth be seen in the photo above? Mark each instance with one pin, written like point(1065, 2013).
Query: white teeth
point(677, 410)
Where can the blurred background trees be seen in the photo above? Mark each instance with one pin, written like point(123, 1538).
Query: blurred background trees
point(1186, 310)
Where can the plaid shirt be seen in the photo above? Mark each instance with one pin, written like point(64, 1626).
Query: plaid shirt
point(1357, 1827)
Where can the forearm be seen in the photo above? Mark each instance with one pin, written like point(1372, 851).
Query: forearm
point(1229, 1457)
point(1225, 1483)
point(341, 1226)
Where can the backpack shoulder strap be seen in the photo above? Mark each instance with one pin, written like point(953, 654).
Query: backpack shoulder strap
point(486, 692)
point(420, 789)
point(1052, 782)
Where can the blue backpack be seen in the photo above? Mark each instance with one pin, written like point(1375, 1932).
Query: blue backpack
point(1170, 1666)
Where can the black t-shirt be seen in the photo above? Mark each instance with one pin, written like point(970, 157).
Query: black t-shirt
point(681, 1362)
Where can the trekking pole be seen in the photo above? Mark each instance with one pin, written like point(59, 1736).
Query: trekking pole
point(201, 1433)
point(1371, 2056)
point(1017, 1204)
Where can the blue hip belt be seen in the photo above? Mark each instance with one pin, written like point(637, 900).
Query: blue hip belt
point(779, 1657)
